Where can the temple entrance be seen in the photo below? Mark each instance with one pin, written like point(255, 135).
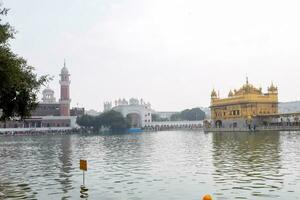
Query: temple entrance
point(134, 120)
point(234, 125)
point(218, 124)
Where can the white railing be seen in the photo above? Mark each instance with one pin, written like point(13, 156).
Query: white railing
point(262, 128)
point(2, 130)
point(226, 129)
point(174, 123)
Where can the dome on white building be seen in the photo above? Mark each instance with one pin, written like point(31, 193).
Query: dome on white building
point(48, 95)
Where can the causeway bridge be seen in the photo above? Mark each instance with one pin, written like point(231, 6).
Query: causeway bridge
point(168, 125)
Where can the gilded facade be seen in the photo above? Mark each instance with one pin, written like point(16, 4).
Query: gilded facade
point(243, 106)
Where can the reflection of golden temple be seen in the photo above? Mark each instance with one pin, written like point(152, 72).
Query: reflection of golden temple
point(246, 160)
point(241, 106)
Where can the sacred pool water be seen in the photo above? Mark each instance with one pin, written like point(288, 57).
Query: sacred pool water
point(152, 166)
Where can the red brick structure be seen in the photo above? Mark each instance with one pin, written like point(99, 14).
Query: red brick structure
point(64, 100)
point(49, 112)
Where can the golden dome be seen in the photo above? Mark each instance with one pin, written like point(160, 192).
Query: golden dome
point(248, 89)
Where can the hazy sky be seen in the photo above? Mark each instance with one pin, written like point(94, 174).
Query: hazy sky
point(168, 52)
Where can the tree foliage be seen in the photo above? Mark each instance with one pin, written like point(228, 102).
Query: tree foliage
point(114, 120)
point(19, 84)
point(111, 119)
point(87, 121)
point(193, 114)
point(157, 118)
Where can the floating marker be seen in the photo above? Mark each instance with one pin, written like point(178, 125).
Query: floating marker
point(83, 167)
point(207, 197)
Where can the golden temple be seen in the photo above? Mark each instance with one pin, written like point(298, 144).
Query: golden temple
point(242, 105)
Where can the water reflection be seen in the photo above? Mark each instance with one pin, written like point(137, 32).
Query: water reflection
point(125, 163)
point(84, 192)
point(16, 191)
point(247, 164)
point(13, 181)
point(65, 159)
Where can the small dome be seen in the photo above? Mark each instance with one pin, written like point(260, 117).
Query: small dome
point(48, 95)
point(64, 70)
point(272, 88)
point(230, 94)
point(48, 90)
point(214, 94)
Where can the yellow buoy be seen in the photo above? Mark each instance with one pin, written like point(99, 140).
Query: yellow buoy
point(207, 197)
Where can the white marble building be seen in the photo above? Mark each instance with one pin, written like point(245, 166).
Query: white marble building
point(138, 111)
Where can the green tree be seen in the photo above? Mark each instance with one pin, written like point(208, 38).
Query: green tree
point(189, 115)
point(86, 121)
point(114, 120)
point(155, 117)
point(176, 117)
point(111, 119)
point(19, 84)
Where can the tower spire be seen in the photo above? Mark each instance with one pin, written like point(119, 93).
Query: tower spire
point(64, 91)
point(247, 81)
